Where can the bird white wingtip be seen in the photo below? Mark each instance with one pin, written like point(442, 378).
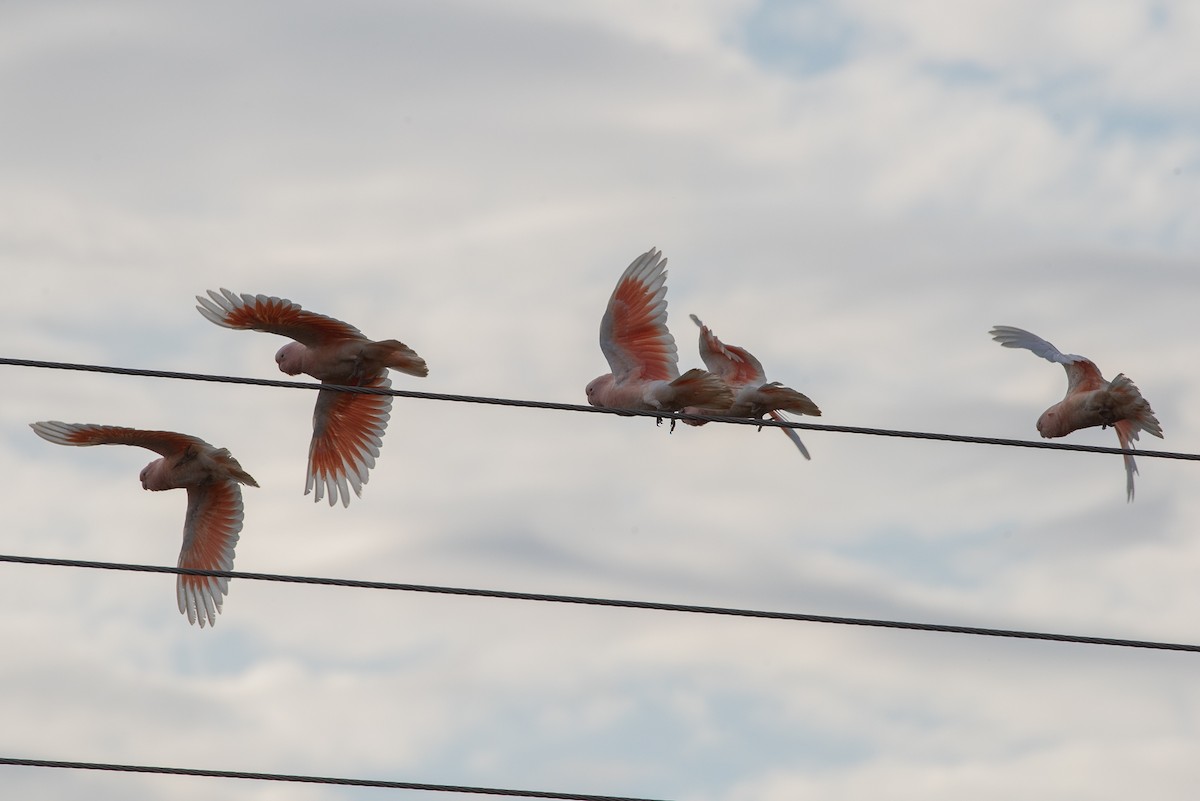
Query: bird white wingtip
point(58, 432)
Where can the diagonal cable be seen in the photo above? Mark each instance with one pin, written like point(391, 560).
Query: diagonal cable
point(610, 602)
point(283, 777)
point(574, 407)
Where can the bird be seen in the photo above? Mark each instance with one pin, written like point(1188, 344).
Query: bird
point(348, 427)
point(1090, 399)
point(214, 511)
point(641, 351)
point(753, 395)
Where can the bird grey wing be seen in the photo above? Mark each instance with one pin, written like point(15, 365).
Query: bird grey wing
point(210, 535)
point(164, 443)
point(274, 316)
point(734, 365)
point(348, 431)
point(633, 330)
point(620, 361)
point(1082, 373)
point(1011, 337)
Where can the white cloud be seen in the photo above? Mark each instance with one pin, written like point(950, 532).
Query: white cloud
point(471, 179)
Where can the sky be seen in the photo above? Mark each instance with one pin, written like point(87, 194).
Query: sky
point(855, 191)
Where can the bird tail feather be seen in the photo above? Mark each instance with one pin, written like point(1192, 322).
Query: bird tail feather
point(701, 388)
point(1126, 434)
point(395, 354)
point(786, 399)
point(1135, 409)
point(791, 434)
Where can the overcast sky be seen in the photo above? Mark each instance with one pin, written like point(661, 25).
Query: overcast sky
point(856, 191)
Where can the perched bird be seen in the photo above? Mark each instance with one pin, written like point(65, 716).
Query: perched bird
point(641, 351)
point(214, 511)
point(753, 396)
point(347, 427)
point(1090, 400)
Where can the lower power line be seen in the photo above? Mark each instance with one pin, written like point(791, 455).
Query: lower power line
point(611, 602)
point(282, 777)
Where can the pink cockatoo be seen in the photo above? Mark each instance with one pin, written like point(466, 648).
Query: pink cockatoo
point(211, 477)
point(1090, 400)
point(347, 427)
point(753, 396)
point(641, 351)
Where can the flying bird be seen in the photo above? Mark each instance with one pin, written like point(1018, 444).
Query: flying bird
point(641, 351)
point(214, 511)
point(348, 427)
point(753, 396)
point(1090, 400)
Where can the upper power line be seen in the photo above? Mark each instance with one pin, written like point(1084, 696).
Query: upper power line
point(573, 407)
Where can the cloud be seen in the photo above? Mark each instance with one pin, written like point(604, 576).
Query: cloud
point(853, 193)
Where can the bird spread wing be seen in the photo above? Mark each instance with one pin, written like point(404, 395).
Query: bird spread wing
point(1082, 373)
point(1011, 337)
point(348, 432)
point(275, 316)
point(164, 443)
point(633, 331)
point(210, 532)
point(735, 366)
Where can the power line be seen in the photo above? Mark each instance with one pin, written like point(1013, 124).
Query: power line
point(611, 602)
point(283, 777)
point(574, 407)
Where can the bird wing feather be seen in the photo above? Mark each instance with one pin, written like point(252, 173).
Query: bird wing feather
point(633, 331)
